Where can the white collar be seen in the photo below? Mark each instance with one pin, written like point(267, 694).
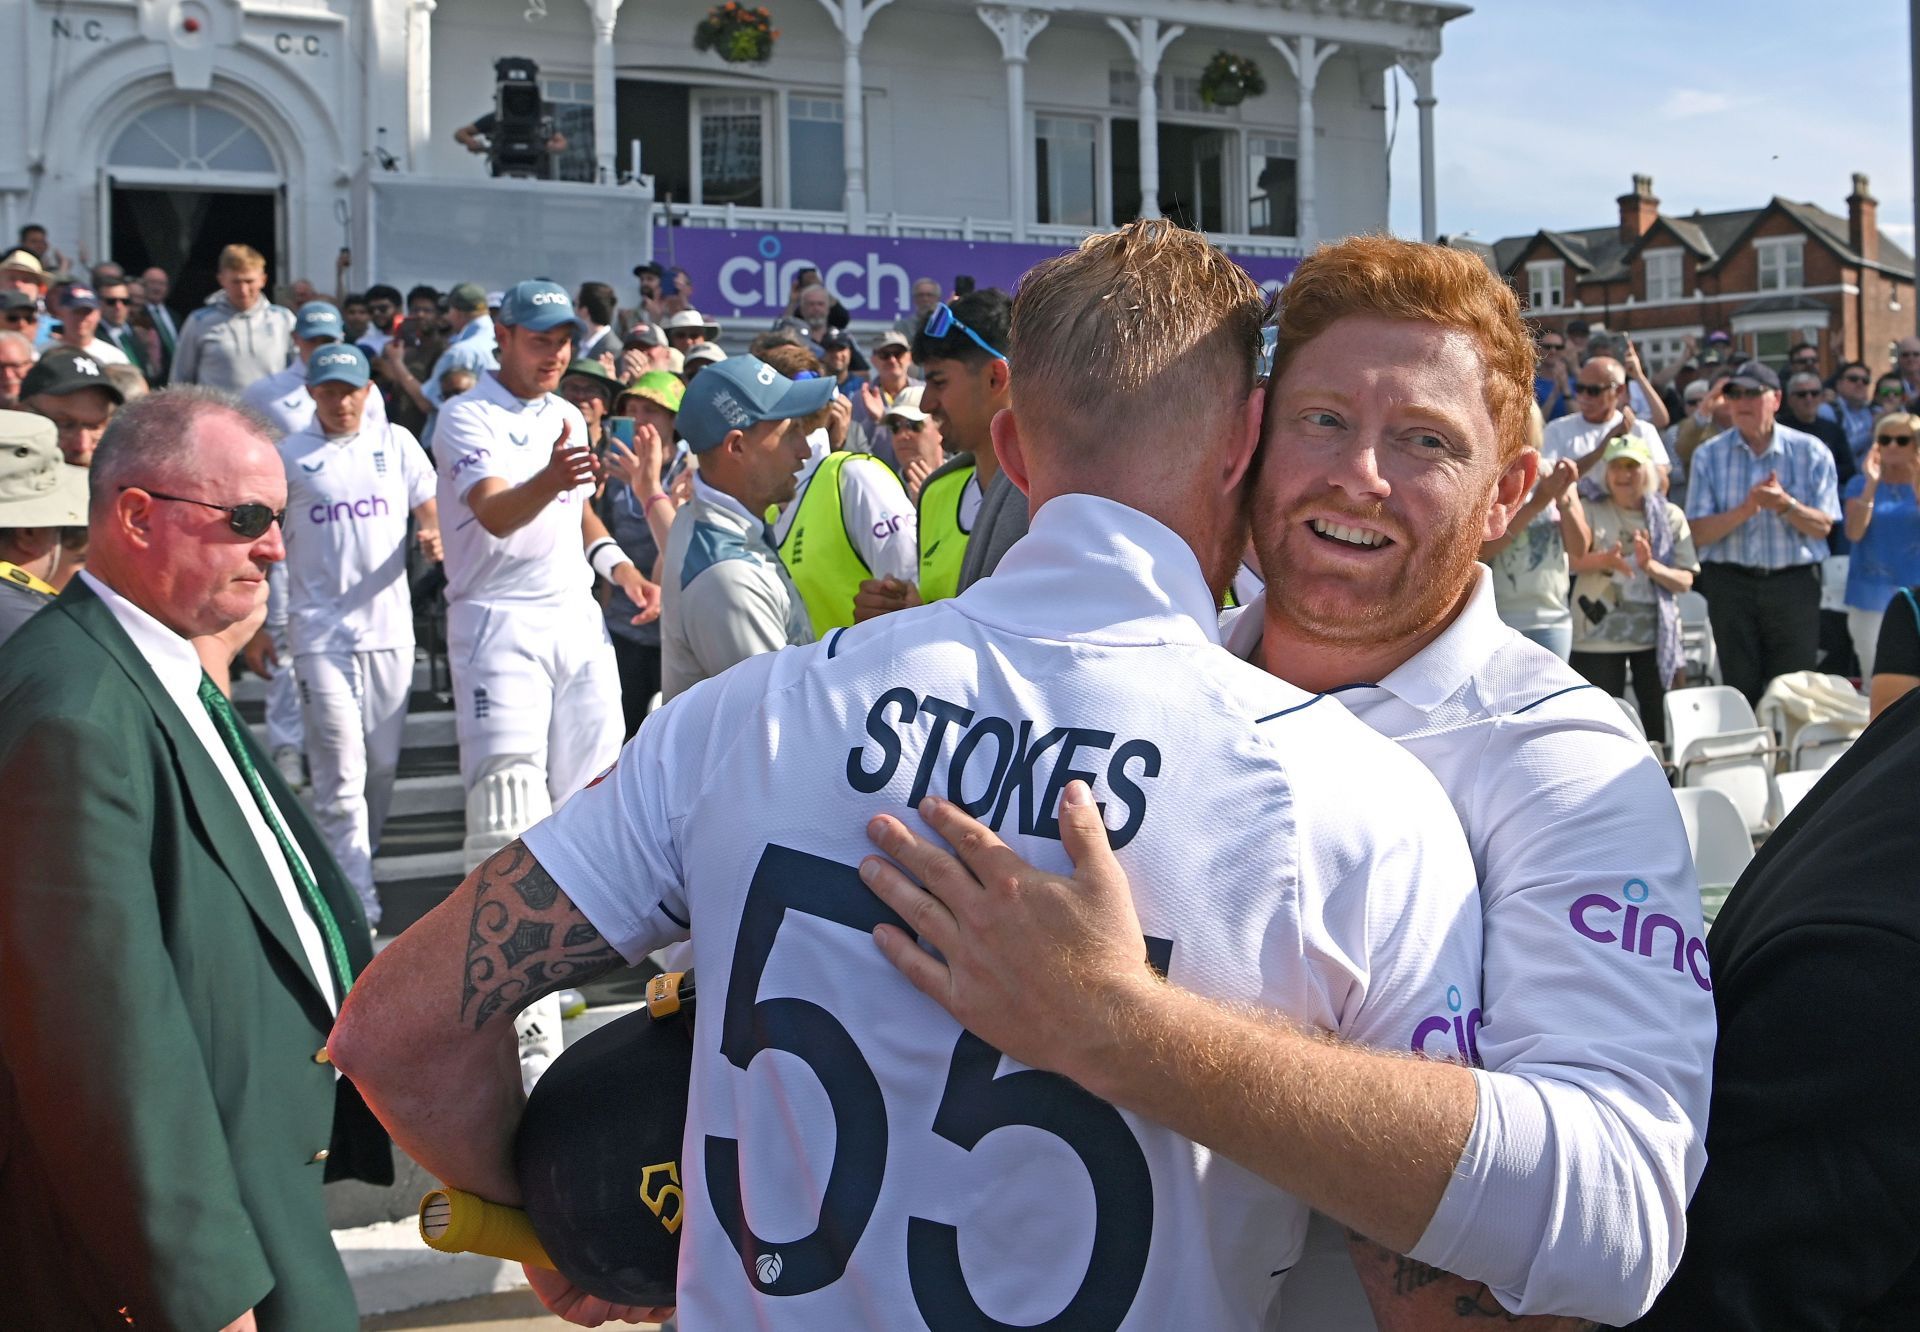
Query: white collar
point(720, 499)
point(1094, 570)
point(172, 657)
point(1430, 676)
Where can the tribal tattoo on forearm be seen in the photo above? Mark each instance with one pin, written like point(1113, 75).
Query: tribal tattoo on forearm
point(526, 940)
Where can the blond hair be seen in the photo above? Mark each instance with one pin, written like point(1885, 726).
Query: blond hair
point(1427, 284)
point(1905, 419)
point(242, 259)
point(1146, 334)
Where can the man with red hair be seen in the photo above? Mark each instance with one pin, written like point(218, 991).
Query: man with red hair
point(1550, 1163)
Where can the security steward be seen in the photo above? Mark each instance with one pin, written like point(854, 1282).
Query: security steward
point(850, 519)
point(40, 493)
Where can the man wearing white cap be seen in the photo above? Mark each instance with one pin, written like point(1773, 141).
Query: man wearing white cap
point(352, 479)
point(40, 493)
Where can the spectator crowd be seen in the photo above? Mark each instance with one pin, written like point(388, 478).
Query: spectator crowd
point(591, 502)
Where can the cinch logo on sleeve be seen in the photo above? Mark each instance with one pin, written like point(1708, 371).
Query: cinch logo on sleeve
point(1460, 1030)
point(472, 459)
point(1598, 917)
point(886, 527)
point(341, 511)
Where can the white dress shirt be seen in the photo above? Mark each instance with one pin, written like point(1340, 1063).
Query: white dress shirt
point(178, 669)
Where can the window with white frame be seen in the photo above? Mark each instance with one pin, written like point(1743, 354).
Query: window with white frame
point(1546, 284)
point(1123, 87)
point(572, 103)
point(731, 135)
point(1186, 97)
point(1782, 262)
point(1665, 274)
point(1273, 185)
point(1064, 166)
point(1664, 348)
point(816, 152)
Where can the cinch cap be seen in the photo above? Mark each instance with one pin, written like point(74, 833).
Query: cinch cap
point(537, 305)
point(657, 386)
point(342, 363)
point(38, 487)
point(1757, 374)
point(1626, 446)
point(468, 298)
point(64, 370)
point(318, 319)
point(740, 393)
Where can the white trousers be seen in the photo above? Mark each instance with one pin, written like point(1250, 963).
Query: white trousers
point(539, 681)
point(356, 715)
point(283, 695)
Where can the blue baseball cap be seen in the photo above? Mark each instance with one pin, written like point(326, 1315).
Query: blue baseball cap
point(342, 363)
point(539, 306)
point(739, 393)
point(318, 319)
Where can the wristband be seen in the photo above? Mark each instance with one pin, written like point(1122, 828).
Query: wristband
point(655, 498)
point(605, 556)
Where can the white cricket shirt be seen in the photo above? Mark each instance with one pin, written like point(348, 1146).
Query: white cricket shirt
point(897, 1172)
point(347, 504)
point(1597, 1039)
point(283, 399)
point(484, 432)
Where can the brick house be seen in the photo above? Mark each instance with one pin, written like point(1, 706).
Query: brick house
point(1771, 276)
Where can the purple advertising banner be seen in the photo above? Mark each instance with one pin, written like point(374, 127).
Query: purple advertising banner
point(746, 273)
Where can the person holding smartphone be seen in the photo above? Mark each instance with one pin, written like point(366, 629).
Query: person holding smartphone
point(637, 505)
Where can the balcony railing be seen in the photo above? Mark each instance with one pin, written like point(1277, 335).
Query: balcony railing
point(906, 225)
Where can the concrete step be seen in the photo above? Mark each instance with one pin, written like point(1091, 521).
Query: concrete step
point(248, 687)
point(427, 794)
point(430, 722)
point(446, 866)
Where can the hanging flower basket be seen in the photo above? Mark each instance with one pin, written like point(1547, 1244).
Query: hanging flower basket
point(738, 35)
point(1230, 79)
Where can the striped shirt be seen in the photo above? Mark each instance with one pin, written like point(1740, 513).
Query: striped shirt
point(1725, 469)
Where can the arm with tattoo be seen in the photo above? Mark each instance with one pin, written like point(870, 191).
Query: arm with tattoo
point(1410, 1296)
point(427, 1032)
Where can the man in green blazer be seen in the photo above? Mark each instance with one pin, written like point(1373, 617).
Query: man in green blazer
point(174, 937)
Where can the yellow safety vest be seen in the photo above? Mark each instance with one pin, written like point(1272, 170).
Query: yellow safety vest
point(943, 542)
point(819, 554)
point(13, 573)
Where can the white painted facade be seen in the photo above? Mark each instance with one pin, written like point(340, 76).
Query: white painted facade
point(313, 99)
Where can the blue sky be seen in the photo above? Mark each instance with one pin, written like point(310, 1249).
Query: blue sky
point(1546, 109)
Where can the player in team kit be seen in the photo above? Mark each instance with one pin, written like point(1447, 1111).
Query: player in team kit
point(352, 482)
point(853, 1157)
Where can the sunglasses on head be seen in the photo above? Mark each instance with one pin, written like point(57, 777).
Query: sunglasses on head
point(1592, 390)
point(248, 520)
point(1893, 439)
point(942, 322)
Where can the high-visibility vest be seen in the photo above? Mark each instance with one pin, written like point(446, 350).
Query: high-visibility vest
point(943, 542)
point(818, 551)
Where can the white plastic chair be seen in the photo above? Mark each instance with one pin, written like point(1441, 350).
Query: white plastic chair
point(1818, 745)
point(1793, 787)
point(1697, 648)
point(1716, 742)
point(1721, 846)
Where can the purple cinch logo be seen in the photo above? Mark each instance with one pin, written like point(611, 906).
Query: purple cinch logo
point(1463, 1027)
point(341, 511)
point(1600, 918)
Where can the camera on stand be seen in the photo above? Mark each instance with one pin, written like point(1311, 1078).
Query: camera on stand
point(522, 127)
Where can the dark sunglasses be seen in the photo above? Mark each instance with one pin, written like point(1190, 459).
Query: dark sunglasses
point(1805, 393)
point(888, 353)
point(909, 427)
point(1853, 379)
point(115, 300)
point(1735, 392)
point(1592, 390)
point(1901, 440)
point(942, 322)
point(1905, 354)
point(19, 316)
point(1553, 346)
point(248, 520)
point(1892, 391)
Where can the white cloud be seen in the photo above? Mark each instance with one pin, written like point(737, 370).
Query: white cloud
point(1687, 103)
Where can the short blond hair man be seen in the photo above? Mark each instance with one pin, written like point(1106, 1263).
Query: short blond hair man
point(1083, 681)
point(239, 336)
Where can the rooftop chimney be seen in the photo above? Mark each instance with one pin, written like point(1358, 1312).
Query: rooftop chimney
point(1638, 211)
point(1863, 220)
